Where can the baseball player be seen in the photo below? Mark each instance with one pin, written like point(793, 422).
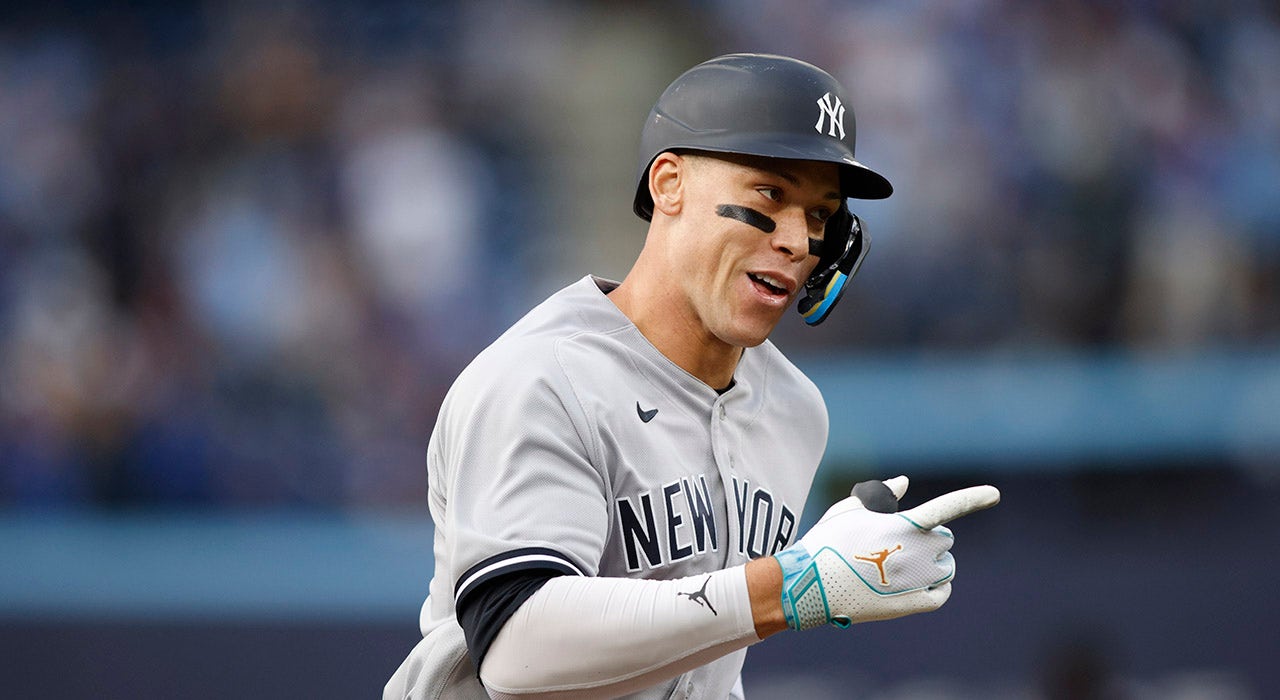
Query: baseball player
point(616, 482)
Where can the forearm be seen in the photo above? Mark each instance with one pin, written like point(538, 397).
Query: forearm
point(602, 637)
point(764, 584)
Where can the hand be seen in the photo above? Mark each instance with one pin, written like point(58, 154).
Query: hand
point(864, 561)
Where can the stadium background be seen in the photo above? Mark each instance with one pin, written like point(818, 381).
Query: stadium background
point(245, 247)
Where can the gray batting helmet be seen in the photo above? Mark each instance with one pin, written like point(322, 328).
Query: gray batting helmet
point(779, 107)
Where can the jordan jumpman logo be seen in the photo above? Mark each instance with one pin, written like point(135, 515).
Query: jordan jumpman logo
point(878, 558)
point(700, 596)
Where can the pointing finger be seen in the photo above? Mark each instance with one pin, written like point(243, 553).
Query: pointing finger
point(948, 507)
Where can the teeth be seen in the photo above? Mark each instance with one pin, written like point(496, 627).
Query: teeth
point(770, 281)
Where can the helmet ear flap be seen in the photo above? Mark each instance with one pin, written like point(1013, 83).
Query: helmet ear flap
point(844, 246)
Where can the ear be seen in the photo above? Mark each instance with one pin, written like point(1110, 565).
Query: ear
point(666, 182)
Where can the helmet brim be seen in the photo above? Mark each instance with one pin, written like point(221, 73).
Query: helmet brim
point(857, 181)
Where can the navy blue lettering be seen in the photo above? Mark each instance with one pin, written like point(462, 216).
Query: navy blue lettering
point(740, 503)
point(638, 537)
point(674, 520)
point(786, 526)
point(764, 498)
point(704, 521)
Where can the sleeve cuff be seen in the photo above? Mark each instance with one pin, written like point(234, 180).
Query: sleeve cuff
point(524, 559)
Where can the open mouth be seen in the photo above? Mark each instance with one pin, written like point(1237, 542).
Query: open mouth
point(768, 284)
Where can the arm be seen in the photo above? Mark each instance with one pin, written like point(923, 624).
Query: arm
point(764, 585)
point(689, 605)
point(584, 637)
point(596, 637)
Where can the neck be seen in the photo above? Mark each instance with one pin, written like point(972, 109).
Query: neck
point(670, 325)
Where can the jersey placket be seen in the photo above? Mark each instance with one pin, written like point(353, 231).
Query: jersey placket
point(723, 445)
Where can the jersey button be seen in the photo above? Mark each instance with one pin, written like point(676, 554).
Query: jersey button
point(721, 411)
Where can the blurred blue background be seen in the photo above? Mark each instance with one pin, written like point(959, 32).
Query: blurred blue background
point(245, 248)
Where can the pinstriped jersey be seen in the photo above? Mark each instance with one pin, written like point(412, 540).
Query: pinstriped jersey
point(571, 443)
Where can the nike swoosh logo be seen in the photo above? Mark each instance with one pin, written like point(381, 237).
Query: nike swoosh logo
point(645, 416)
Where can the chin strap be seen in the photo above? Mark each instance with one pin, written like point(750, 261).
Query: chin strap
point(840, 261)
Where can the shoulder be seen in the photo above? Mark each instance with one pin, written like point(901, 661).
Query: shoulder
point(530, 357)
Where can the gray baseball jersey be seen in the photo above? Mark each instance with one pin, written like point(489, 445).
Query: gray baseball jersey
point(571, 443)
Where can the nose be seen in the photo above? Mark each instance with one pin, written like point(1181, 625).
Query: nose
point(791, 237)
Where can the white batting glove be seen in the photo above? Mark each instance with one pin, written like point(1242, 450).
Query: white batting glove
point(864, 561)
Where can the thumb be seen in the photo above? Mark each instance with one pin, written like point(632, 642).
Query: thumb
point(898, 485)
point(875, 496)
point(950, 506)
point(880, 496)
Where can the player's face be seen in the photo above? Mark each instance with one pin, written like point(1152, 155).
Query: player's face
point(748, 252)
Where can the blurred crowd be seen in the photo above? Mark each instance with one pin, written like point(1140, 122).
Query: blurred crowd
point(246, 247)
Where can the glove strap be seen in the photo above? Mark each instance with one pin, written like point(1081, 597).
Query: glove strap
point(804, 602)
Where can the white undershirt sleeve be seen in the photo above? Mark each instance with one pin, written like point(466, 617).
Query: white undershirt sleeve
point(583, 637)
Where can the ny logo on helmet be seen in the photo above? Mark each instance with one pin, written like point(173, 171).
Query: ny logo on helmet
point(833, 111)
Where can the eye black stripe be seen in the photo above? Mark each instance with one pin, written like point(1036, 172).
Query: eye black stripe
point(747, 215)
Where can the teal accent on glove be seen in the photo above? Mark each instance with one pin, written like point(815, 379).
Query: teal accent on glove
point(799, 576)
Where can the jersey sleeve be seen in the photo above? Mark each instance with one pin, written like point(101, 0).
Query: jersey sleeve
point(521, 490)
